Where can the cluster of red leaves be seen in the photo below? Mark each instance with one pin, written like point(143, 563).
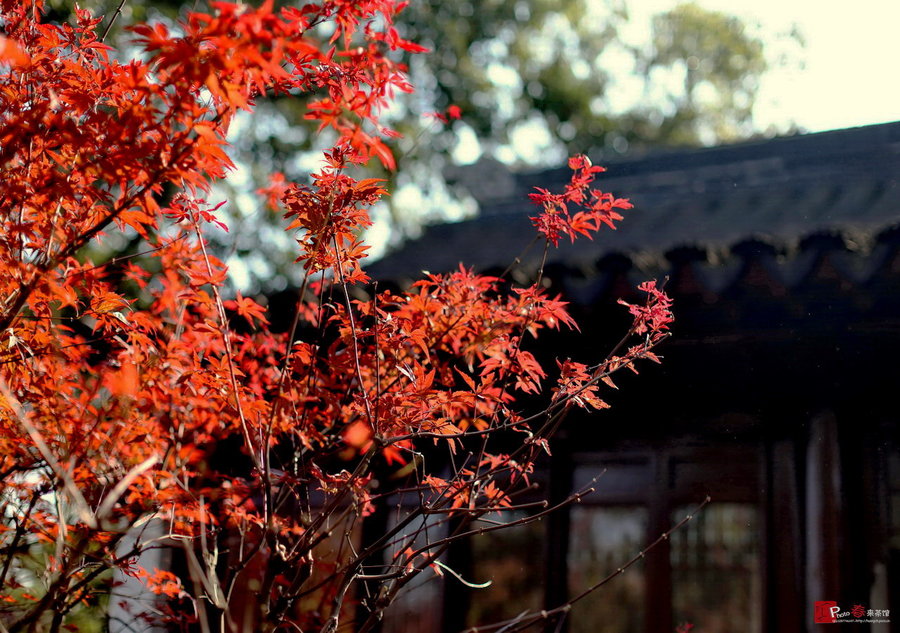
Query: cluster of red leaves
point(654, 317)
point(328, 217)
point(595, 208)
point(452, 113)
point(161, 582)
point(120, 378)
point(578, 383)
point(447, 356)
point(117, 379)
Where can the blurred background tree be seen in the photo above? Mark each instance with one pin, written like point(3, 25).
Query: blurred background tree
point(535, 80)
point(721, 65)
point(554, 66)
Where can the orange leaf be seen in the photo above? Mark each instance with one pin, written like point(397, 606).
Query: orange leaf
point(108, 302)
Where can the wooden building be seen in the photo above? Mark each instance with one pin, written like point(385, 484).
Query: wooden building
point(779, 395)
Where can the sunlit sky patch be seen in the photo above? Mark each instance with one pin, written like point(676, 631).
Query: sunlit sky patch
point(851, 53)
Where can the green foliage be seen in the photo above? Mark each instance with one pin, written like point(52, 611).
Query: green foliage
point(721, 65)
point(508, 63)
point(558, 64)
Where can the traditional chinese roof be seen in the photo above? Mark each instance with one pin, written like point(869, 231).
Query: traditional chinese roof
point(783, 203)
point(783, 258)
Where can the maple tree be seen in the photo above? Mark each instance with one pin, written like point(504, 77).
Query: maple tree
point(123, 381)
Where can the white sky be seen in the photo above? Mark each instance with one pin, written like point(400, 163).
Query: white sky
point(852, 52)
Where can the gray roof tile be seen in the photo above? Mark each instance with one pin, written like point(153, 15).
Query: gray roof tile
point(778, 191)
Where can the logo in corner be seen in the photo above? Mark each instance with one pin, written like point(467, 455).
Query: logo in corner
point(826, 612)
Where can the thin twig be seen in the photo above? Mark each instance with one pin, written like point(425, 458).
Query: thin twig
point(112, 20)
